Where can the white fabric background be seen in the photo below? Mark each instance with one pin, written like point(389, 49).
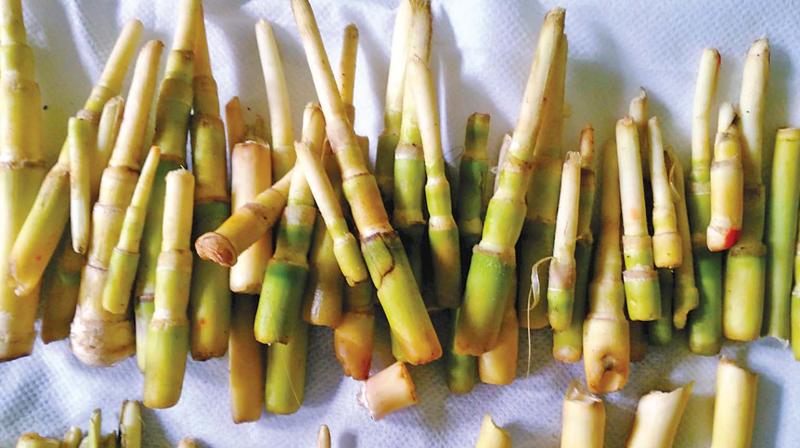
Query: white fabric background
point(482, 51)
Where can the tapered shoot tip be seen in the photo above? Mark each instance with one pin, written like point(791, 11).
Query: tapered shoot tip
point(264, 25)
point(324, 437)
point(421, 4)
point(759, 46)
point(133, 26)
point(556, 14)
point(351, 31)
point(713, 53)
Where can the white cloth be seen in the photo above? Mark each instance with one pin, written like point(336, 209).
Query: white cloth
point(481, 55)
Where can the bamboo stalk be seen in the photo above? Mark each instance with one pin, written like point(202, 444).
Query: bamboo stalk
point(782, 231)
point(408, 216)
point(245, 362)
point(98, 337)
point(442, 228)
point(705, 322)
point(40, 234)
point(393, 107)
point(745, 268)
point(94, 436)
point(561, 282)
point(686, 294)
point(168, 332)
point(734, 406)
point(640, 279)
point(280, 303)
point(538, 231)
point(568, 344)
point(347, 70)
point(667, 247)
point(210, 296)
point(62, 277)
point(124, 258)
point(474, 183)
point(491, 435)
point(493, 259)
point(383, 251)
point(251, 174)
point(583, 419)
point(171, 131)
point(657, 418)
point(606, 333)
point(283, 156)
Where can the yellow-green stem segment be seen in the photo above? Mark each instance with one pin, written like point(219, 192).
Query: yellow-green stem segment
point(782, 231)
point(538, 231)
point(442, 228)
point(568, 344)
point(408, 194)
point(82, 143)
point(705, 322)
point(393, 107)
point(210, 296)
point(745, 267)
point(125, 256)
point(640, 278)
point(283, 156)
point(561, 282)
point(473, 184)
point(168, 331)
